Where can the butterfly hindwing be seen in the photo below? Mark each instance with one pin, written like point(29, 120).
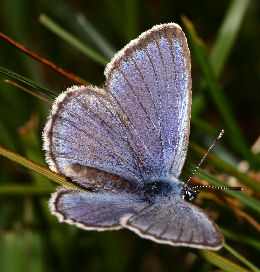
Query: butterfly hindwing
point(175, 222)
point(166, 220)
point(99, 211)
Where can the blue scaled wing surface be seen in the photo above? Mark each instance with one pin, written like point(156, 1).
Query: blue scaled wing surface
point(149, 82)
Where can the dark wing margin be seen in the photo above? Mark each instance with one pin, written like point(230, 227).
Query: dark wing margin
point(149, 81)
point(84, 129)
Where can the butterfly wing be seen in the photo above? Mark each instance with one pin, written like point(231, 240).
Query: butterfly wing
point(95, 180)
point(140, 126)
point(84, 129)
point(97, 211)
point(176, 223)
point(149, 81)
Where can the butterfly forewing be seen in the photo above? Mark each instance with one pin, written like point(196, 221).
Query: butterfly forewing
point(149, 81)
point(84, 129)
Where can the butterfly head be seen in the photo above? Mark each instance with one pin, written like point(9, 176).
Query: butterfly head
point(188, 194)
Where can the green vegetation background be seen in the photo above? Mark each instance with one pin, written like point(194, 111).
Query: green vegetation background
point(225, 72)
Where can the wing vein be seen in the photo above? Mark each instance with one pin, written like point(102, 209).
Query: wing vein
point(160, 101)
point(123, 161)
point(151, 97)
point(148, 117)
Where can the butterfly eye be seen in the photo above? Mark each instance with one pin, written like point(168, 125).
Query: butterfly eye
point(189, 195)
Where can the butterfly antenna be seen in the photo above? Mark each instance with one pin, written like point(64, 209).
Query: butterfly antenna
point(209, 187)
point(206, 154)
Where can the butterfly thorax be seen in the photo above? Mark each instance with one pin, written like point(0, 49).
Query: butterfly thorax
point(167, 188)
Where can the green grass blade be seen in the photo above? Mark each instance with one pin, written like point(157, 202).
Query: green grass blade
point(22, 250)
point(249, 201)
point(102, 44)
point(241, 258)
point(72, 40)
point(234, 132)
point(131, 18)
point(221, 262)
point(115, 14)
point(17, 189)
point(222, 48)
point(5, 137)
point(205, 126)
point(37, 168)
point(227, 35)
point(27, 81)
point(241, 238)
point(126, 12)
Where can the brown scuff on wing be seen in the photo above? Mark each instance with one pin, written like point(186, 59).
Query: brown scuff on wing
point(98, 180)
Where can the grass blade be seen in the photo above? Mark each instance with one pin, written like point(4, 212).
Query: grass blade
point(27, 81)
point(37, 168)
point(17, 189)
point(131, 18)
point(234, 132)
point(221, 262)
point(222, 48)
point(114, 13)
point(241, 238)
point(72, 40)
point(28, 91)
point(22, 250)
point(101, 43)
point(43, 60)
point(227, 35)
point(241, 258)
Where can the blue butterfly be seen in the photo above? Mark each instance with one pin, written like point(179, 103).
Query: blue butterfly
point(125, 145)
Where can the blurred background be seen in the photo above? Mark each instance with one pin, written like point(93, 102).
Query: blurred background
point(225, 74)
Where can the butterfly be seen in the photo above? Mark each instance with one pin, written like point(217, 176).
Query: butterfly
point(125, 145)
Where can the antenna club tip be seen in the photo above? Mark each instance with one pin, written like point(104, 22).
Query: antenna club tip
point(220, 134)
